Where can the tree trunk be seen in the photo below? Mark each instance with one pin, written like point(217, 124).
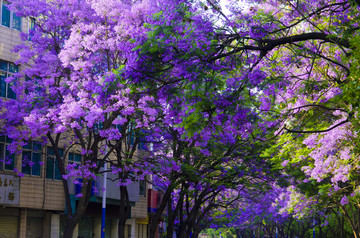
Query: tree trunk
point(73, 219)
point(156, 217)
point(121, 229)
point(170, 225)
point(173, 214)
point(69, 228)
point(70, 223)
point(124, 211)
point(195, 234)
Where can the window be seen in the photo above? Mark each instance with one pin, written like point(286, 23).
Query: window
point(75, 158)
point(141, 144)
point(31, 27)
point(6, 70)
point(31, 158)
point(130, 135)
point(52, 168)
point(8, 18)
point(7, 160)
point(142, 188)
point(133, 136)
point(32, 23)
point(32, 85)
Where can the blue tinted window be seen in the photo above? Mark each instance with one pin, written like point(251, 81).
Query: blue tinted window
point(26, 159)
point(36, 166)
point(50, 151)
point(73, 157)
point(16, 24)
point(32, 23)
point(32, 28)
point(37, 146)
point(7, 159)
point(10, 93)
point(6, 70)
point(2, 84)
point(57, 171)
point(8, 18)
point(52, 168)
point(49, 168)
point(13, 68)
point(78, 158)
point(3, 65)
point(5, 15)
point(31, 158)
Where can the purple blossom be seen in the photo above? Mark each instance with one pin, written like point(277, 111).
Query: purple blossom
point(344, 200)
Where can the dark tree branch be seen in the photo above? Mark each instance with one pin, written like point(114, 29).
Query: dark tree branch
point(266, 45)
point(317, 105)
point(317, 131)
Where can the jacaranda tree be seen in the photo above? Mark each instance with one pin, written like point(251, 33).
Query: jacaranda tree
point(70, 94)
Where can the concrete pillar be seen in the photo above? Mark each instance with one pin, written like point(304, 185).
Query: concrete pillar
point(114, 228)
point(55, 226)
point(22, 223)
point(97, 227)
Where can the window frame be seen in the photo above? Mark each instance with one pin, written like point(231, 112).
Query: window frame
point(4, 165)
point(51, 158)
point(141, 144)
point(10, 70)
point(31, 22)
point(142, 183)
point(11, 18)
point(73, 160)
point(26, 168)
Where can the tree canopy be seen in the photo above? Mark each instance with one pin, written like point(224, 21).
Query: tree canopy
point(249, 114)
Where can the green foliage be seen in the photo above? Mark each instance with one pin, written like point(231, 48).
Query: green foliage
point(352, 86)
point(224, 233)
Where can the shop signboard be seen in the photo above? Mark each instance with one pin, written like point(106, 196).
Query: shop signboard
point(9, 189)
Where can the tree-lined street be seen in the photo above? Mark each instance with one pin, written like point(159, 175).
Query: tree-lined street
point(247, 112)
